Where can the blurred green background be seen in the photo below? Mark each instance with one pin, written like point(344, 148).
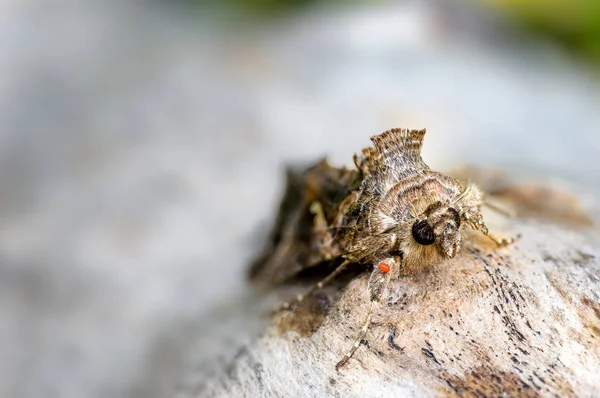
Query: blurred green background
point(575, 24)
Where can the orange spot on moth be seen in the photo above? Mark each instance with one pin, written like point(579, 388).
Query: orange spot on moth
point(385, 268)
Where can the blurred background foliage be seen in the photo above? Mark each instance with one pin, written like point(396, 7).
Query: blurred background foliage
point(574, 24)
point(273, 8)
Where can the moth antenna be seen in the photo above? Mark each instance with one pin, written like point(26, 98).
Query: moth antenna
point(500, 210)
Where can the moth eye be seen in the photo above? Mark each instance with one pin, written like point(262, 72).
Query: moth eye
point(423, 234)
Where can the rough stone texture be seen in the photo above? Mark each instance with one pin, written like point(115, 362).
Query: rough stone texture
point(520, 321)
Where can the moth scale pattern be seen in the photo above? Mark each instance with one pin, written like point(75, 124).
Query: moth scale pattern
point(391, 213)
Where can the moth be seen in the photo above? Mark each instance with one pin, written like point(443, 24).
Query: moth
point(391, 213)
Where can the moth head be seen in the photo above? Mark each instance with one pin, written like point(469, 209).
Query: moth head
point(439, 225)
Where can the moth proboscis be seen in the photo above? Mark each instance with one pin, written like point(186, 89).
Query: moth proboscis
point(392, 213)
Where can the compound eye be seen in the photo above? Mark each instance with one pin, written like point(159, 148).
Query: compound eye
point(423, 234)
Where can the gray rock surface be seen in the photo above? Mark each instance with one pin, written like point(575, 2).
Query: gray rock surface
point(521, 321)
point(141, 155)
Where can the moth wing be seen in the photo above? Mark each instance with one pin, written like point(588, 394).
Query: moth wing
point(294, 243)
point(281, 256)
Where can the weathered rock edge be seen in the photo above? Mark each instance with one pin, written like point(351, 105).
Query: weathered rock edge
point(521, 321)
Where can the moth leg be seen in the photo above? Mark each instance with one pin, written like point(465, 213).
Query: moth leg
point(361, 336)
point(357, 162)
point(320, 222)
point(500, 241)
point(286, 305)
point(344, 208)
point(361, 165)
point(475, 219)
point(378, 283)
point(321, 227)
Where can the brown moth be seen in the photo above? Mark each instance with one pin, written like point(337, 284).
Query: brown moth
point(392, 213)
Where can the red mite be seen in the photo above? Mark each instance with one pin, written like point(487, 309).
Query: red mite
point(385, 268)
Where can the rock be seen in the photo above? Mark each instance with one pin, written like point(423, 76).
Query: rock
point(523, 320)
